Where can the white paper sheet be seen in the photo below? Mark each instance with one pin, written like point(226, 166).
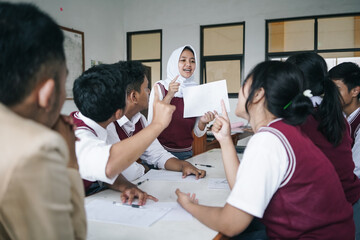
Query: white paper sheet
point(105, 211)
point(177, 213)
point(218, 183)
point(165, 175)
point(206, 97)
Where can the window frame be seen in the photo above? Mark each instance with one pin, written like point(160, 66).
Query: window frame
point(268, 55)
point(129, 45)
point(204, 59)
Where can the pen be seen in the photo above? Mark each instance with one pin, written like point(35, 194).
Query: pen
point(204, 165)
point(139, 183)
point(126, 204)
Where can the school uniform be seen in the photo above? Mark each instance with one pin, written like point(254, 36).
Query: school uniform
point(93, 151)
point(155, 155)
point(354, 121)
point(285, 180)
point(40, 198)
point(177, 137)
point(340, 156)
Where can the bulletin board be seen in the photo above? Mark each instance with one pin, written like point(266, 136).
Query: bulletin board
point(75, 59)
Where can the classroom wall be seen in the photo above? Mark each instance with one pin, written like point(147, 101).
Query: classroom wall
point(101, 22)
point(106, 22)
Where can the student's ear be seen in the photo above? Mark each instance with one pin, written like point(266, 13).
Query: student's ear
point(118, 114)
point(259, 94)
point(132, 96)
point(45, 93)
point(355, 91)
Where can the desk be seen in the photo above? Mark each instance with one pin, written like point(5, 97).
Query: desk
point(208, 142)
point(165, 192)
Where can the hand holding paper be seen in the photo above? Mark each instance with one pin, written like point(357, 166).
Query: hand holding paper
point(198, 100)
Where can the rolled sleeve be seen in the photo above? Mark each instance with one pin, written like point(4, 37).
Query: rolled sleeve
point(93, 155)
point(259, 175)
point(156, 155)
point(197, 131)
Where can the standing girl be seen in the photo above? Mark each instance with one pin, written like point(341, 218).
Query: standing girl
point(283, 178)
point(177, 137)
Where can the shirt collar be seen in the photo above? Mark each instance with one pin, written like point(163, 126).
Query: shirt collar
point(353, 115)
point(100, 131)
point(129, 124)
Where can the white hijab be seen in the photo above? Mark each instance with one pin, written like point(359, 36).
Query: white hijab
point(173, 71)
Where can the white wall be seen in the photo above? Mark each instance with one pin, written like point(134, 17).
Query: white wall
point(180, 21)
point(106, 22)
point(101, 22)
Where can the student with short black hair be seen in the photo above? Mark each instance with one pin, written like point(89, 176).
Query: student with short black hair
point(347, 78)
point(100, 95)
point(283, 178)
point(41, 192)
point(133, 121)
point(328, 128)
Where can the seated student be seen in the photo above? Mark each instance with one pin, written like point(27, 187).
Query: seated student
point(41, 192)
point(282, 173)
point(99, 94)
point(347, 78)
point(327, 127)
point(155, 155)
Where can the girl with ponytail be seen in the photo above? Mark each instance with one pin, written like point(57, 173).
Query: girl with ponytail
point(282, 175)
point(328, 128)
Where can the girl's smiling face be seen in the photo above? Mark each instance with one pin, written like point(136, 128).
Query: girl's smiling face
point(187, 63)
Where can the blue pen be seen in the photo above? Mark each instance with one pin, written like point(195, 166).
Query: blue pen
point(203, 165)
point(139, 183)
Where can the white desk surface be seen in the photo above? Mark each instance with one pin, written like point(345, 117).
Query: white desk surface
point(165, 192)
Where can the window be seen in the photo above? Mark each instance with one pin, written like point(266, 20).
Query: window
point(146, 47)
point(222, 54)
point(336, 38)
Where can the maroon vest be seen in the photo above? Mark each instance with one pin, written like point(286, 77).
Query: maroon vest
point(310, 202)
point(81, 125)
point(340, 156)
point(177, 137)
point(123, 134)
point(355, 126)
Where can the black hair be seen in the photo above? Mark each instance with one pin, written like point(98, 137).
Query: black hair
point(31, 50)
point(137, 72)
point(329, 112)
point(189, 48)
point(348, 73)
point(283, 85)
point(100, 91)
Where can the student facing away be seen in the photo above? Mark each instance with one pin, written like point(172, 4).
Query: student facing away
point(41, 192)
point(133, 121)
point(177, 137)
point(100, 95)
point(283, 178)
point(347, 78)
point(328, 128)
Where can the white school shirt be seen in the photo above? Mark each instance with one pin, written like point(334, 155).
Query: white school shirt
point(197, 131)
point(93, 151)
point(155, 154)
point(356, 147)
point(261, 171)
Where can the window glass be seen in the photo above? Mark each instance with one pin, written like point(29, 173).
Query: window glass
point(145, 46)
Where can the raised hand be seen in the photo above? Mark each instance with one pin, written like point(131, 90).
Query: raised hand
point(162, 111)
point(173, 88)
point(221, 127)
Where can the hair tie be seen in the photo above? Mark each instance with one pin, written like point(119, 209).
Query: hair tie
point(307, 93)
point(287, 105)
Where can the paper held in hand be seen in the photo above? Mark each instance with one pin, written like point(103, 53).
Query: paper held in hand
point(206, 97)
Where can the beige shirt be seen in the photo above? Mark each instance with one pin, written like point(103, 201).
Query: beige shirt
point(40, 198)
